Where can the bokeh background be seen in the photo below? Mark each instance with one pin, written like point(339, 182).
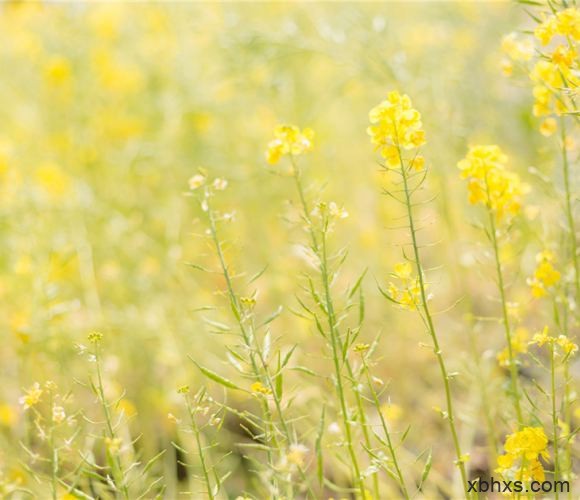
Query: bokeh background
point(107, 110)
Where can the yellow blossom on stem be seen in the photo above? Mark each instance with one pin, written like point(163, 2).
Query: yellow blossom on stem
point(260, 389)
point(489, 181)
point(408, 293)
point(545, 275)
point(31, 396)
point(396, 125)
point(289, 140)
point(523, 449)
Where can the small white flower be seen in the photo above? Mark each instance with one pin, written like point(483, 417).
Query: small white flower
point(220, 184)
point(196, 181)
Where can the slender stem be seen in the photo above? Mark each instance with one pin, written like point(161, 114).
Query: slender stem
point(54, 452)
point(569, 210)
point(246, 336)
point(500, 283)
point(109, 423)
point(335, 341)
point(385, 427)
point(196, 432)
point(554, 416)
point(431, 326)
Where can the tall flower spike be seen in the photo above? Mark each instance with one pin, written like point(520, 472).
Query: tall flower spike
point(395, 126)
point(490, 183)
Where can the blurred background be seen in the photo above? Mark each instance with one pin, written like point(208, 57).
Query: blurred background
point(107, 110)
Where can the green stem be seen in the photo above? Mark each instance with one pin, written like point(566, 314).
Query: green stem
point(569, 210)
point(54, 454)
point(506, 322)
point(196, 433)
point(246, 336)
point(554, 417)
point(120, 479)
point(431, 326)
point(385, 427)
point(335, 341)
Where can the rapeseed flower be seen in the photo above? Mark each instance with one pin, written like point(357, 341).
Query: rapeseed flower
point(490, 183)
point(289, 140)
point(395, 126)
point(523, 450)
point(545, 275)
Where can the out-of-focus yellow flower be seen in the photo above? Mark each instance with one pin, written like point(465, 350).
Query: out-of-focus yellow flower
point(490, 183)
point(127, 407)
point(395, 126)
point(113, 445)
point(408, 293)
point(523, 449)
point(545, 275)
point(289, 140)
point(297, 454)
point(58, 70)
point(568, 348)
point(548, 127)
point(392, 412)
point(31, 396)
point(7, 415)
point(261, 389)
point(53, 180)
point(519, 344)
point(517, 50)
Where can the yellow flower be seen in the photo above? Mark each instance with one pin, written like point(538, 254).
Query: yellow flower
point(541, 338)
point(490, 183)
point(403, 270)
point(568, 347)
point(523, 449)
point(31, 396)
point(548, 127)
point(518, 50)
point(396, 126)
point(392, 412)
point(408, 294)
point(519, 344)
point(568, 23)
point(259, 388)
point(95, 337)
point(545, 30)
point(53, 180)
point(113, 445)
point(296, 454)
point(545, 275)
point(57, 70)
point(289, 140)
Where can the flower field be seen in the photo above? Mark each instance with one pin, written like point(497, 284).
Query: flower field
point(289, 250)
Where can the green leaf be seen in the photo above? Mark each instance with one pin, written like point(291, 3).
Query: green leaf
point(426, 470)
point(357, 284)
point(217, 378)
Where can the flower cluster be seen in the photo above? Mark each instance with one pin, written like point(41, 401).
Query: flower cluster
point(567, 347)
point(408, 293)
point(545, 275)
point(396, 126)
point(289, 140)
point(523, 449)
point(490, 182)
point(565, 23)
